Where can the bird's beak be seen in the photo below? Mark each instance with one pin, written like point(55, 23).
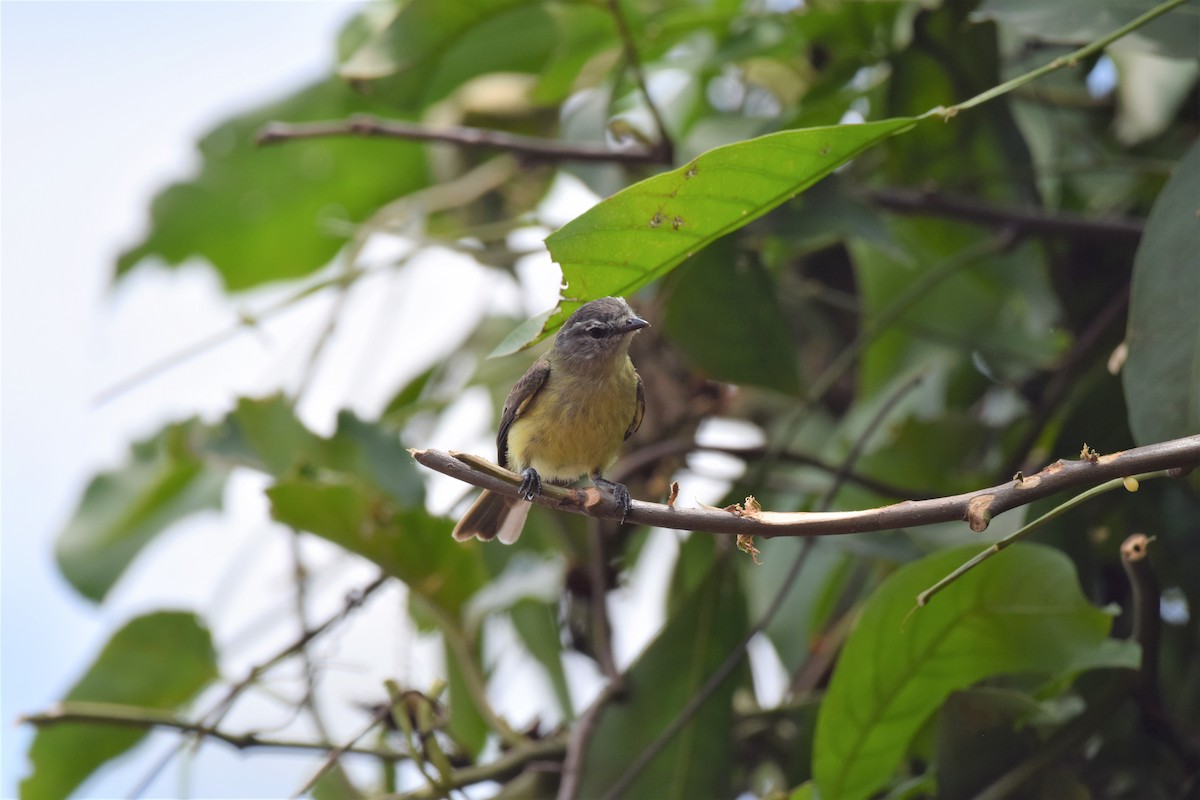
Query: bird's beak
point(634, 324)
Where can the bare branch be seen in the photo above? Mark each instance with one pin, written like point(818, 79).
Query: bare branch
point(530, 148)
point(147, 718)
point(1022, 221)
point(977, 508)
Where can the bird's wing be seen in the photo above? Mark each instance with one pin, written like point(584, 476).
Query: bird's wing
point(518, 400)
point(639, 411)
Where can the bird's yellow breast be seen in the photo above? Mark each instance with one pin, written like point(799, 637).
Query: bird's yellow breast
point(575, 424)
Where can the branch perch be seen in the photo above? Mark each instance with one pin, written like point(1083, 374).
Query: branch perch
point(976, 508)
point(530, 148)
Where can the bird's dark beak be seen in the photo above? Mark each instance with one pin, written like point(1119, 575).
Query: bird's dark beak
point(634, 324)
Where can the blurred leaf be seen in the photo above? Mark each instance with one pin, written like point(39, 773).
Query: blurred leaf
point(409, 544)
point(1151, 90)
point(1021, 612)
point(699, 760)
point(805, 791)
point(124, 509)
point(722, 309)
point(265, 434)
point(466, 725)
point(336, 785)
point(979, 735)
point(261, 214)
point(1162, 373)
point(642, 232)
point(158, 661)
point(536, 624)
point(429, 49)
point(1080, 21)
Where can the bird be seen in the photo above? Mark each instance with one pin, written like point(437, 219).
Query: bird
point(566, 417)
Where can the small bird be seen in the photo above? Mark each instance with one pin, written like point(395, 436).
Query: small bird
point(566, 417)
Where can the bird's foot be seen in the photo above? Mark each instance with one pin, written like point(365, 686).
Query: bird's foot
point(619, 493)
point(531, 484)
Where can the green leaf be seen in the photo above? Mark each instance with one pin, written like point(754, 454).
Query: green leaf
point(429, 48)
point(124, 509)
point(646, 230)
point(406, 543)
point(724, 315)
point(699, 760)
point(467, 725)
point(261, 214)
point(1022, 612)
point(158, 661)
point(1162, 373)
point(265, 434)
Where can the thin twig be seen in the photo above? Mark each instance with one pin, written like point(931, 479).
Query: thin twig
point(530, 148)
point(1064, 378)
point(353, 601)
point(665, 146)
point(335, 753)
point(581, 734)
point(1069, 60)
point(977, 507)
point(924, 597)
point(246, 320)
point(510, 763)
point(147, 718)
point(213, 717)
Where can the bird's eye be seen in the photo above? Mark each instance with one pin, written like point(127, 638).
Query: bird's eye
point(596, 332)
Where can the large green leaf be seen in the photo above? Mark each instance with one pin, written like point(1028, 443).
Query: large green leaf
point(123, 510)
point(429, 48)
point(723, 308)
point(1021, 613)
point(159, 661)
point(649, 228)
point(1162, 373)
point(699, 760)
point(261, 214)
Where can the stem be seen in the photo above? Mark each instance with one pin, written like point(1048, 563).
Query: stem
point(1027, 529)
point(1058, 63)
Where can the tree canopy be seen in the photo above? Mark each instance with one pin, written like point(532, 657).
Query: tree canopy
point(923, 274)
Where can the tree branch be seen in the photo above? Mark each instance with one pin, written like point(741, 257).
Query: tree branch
point(147, 718)
point(977, 508)
point(1022, 221)
point(530, 148)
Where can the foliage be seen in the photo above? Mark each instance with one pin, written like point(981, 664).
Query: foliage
point(907, 263)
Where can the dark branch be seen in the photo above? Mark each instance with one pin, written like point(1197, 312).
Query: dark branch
point(976, 508)
point(1020, 220)
point(529, 148)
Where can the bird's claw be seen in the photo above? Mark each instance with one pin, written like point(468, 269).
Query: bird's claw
point(531, 484)
point(619, 493)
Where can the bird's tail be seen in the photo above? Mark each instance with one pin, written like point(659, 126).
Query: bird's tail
point(493, 516)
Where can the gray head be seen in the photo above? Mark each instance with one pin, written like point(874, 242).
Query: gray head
point(601, 328)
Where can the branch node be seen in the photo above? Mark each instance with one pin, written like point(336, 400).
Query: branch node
point(979, 511)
